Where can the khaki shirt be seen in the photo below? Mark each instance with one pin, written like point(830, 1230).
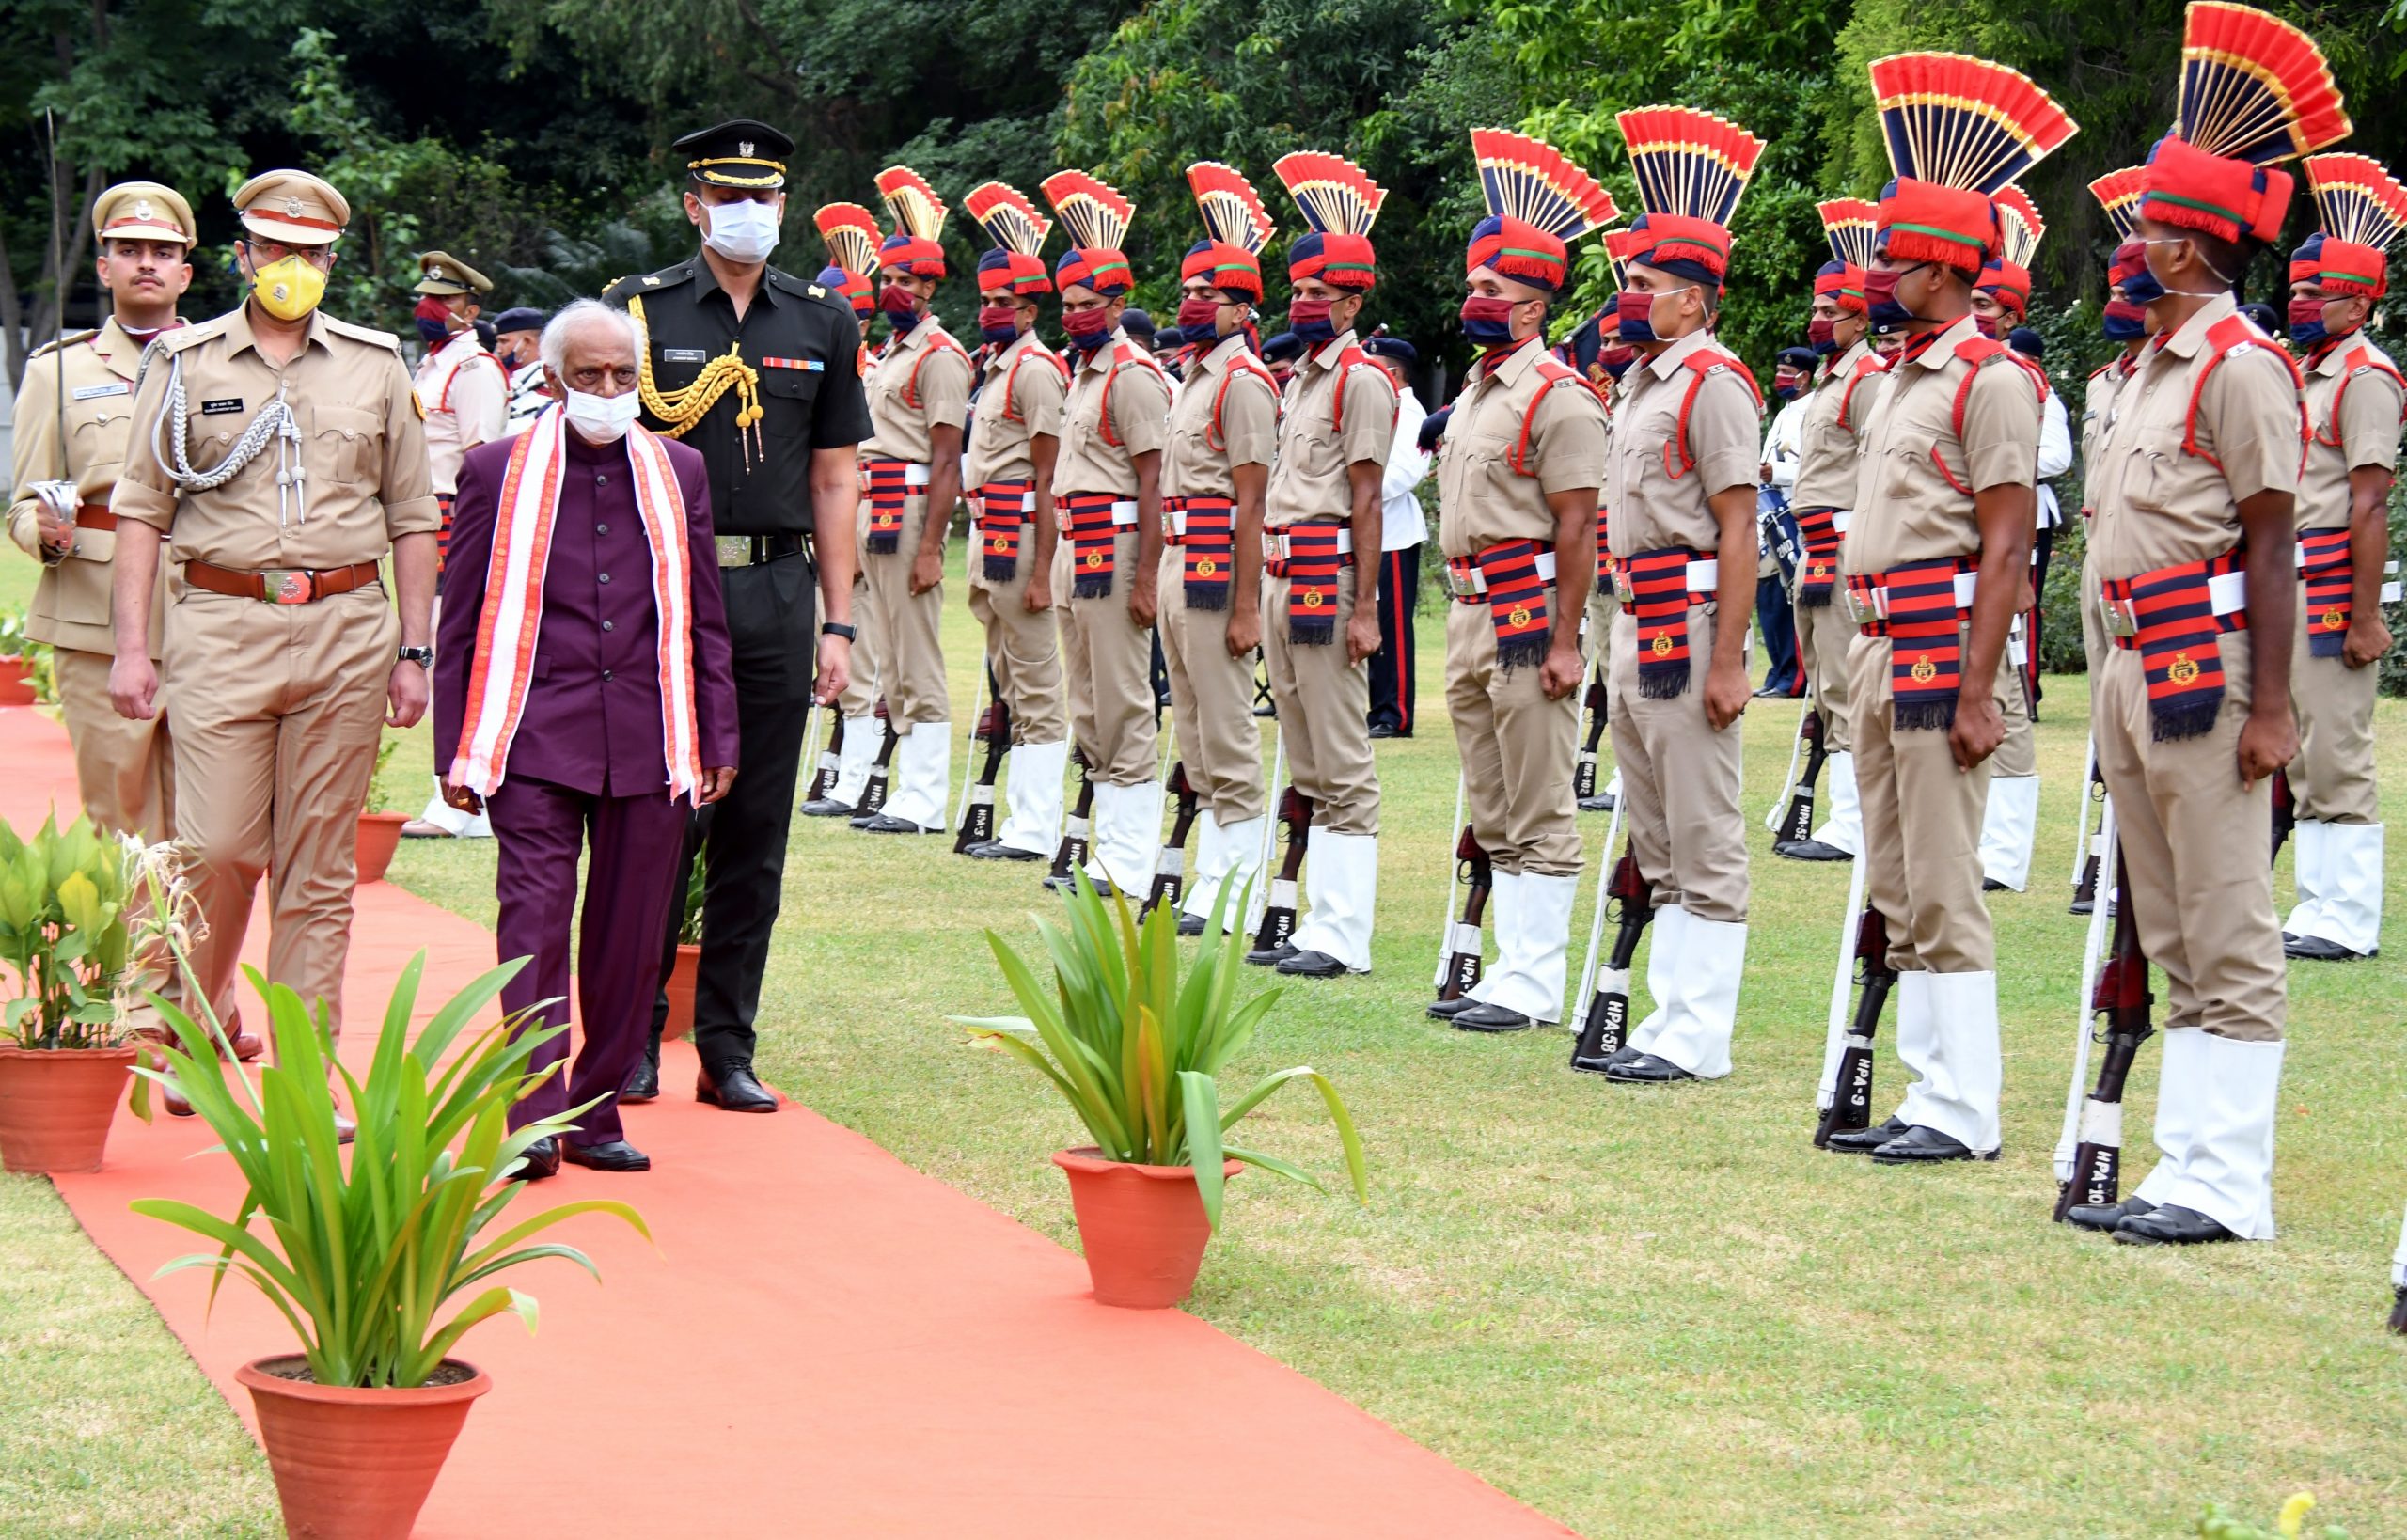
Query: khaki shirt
point(2096, 407)
point(1651, 509)
point(1827, 449)
point(1201, 456)
point(2362, 434)
point(2155, 505)
point(464, 392)
point(902, 409)
point(1021, 397)
point(1309, 479)
point(1482, 499)
point(1913, 496)
point(71, 606)
point(362, 452)
point(1139, 407)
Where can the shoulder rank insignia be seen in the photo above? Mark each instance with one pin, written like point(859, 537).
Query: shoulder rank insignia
point(817, 292)
point(651, 280)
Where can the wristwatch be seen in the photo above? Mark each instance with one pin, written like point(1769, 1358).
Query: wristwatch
point(831, 628)
point(422, 656)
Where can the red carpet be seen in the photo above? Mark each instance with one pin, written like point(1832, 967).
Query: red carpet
point(825, 1343)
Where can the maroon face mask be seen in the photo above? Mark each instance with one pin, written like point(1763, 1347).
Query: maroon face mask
point(2306, 313)
point(1199, 315)
point(1822, 335)
point(1088, 329)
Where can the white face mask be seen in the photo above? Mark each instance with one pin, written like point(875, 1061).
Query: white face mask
point(741, 232)
point(603, 419)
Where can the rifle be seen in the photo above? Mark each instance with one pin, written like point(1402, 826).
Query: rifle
point(1606, 1027)
point(2399, 1284)
point(1796, 822)
point(978, 819)
point(2285, 811)
point(1583, 775)
point(831, 755)
point(1279, 914)
point(1072, 854)
point(2122, 997)
point(1170, 867)
point(873, 795)
point(1842, 983)
point(1462, 962)
point(1850, 1106)
point(2085, 847)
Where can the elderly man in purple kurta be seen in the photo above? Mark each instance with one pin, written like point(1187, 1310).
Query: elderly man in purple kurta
point(584, 693)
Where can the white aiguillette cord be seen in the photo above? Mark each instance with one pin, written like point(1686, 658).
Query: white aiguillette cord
point(275, 420)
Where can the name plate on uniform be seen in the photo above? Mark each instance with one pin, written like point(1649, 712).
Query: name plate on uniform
point(115, 387)
point(685, 355)
point(212, 409)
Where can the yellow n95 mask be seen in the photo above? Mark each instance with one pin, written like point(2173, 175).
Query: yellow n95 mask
point(289, 288)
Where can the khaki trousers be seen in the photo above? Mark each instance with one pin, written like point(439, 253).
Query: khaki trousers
point(1518, 747)
point(908, 627)
point(277, 710)
point(1828, 638)
point(1211, 702)
point(1023, 649)
point(1602, 606)
point(1679, 781)
point(1922, 821)
point(1323, 712)
point(866, 681)
point(2333, 776)
point(1108, 663)
point(2194, 846)
point(124, 770)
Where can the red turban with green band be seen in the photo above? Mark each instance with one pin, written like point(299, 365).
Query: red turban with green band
point(2225, 198)
point(1225, 266)
point(919, 257)
point(1843, 283)
point(1022, 274)
point(1930, 222)
point(854, 288)
point(1336, 258)
point(1518, 251)
point(1100, 268)
point(1682, 246)
point(2341, 268)
point(2008, 284)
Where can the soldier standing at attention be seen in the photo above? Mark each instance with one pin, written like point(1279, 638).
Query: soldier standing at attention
point(753, 368)
point(2354, 407)
point(1223, 429)
point(1013, 444)
point(2131, 288)
point(1681, 484)
point(2195, 544)
point(1525, 451)
point(281, 458)
point(1321, 521)
point(1106, 493)
point(919, 400)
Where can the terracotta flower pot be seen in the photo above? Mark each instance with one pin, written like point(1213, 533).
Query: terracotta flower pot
point(379, 835)
point(681, 994)
point(1143, 1227)
point(16, 683)
point(353, 1464)
point(57, 1104)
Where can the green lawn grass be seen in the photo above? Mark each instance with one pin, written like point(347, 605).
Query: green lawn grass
point(1653, 1311)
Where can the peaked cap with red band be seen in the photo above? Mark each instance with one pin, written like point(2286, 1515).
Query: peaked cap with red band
point(1692, 167)
point(1099, 217)
point(1018, 231)
point(2364, 210)
point(1959, 130)
point(1847, 224)
point(2255, 90)
point(850, 232)
point(1230, 259)
point(1538, 203)
point(917, 244)
point(2007, 276)
point(1340, 202)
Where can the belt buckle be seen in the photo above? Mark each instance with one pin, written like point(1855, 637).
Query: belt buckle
point(734, 550)
point(1461, 585)
point(1274, 547)
point(1624, 589)
point(2121, 619)
point(287, 585)
point(1861, 609)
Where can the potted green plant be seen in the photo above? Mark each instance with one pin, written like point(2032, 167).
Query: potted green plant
point(380, 833)
point(21, 660)
point(363, 1258)
point(1137, 1051)
point(69, 945)
point(680, 985)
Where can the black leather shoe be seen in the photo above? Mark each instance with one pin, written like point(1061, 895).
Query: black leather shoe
point(1382, 731)
point(643, 1085)
point(733, 1090)
point(1449, 1010)
point(1486, 1018)
point(1645, 1069)
point(826, 807)
point(1866, 1140)
point(616, 1156)
point(1070, 885)
point(1809, 850)
point(2315, 948)
point(2172, 1225)
point(1311, 964)
point(995, 851)
point(888, 824)
point(1622, 1055)
point(1190, 924)
point(2107, 1216)
point(1990, 884)
point(541, 1160)
point(1601, 802)
point(1924, 1146)
point(2080, 906)
point(1270, 956)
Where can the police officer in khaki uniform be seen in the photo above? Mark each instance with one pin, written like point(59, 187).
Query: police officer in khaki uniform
point(1321, 521)
point(2354, 401)
point(1223, 429)
point(919, 401)
point(1107, 496)
point(75, 424)
point(1681, 484)
point(281, 458)
point(1936, 561)
point(1525, 452)
point(1008, 479)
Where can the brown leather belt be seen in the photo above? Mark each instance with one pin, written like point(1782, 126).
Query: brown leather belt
point(95, 516)
point(282, 585)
